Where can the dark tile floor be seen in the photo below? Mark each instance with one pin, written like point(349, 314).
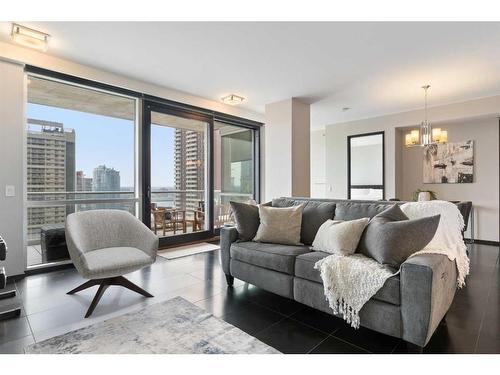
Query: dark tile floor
point(472, 324)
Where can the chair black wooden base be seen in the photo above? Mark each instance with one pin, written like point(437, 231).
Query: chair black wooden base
point(103, 285)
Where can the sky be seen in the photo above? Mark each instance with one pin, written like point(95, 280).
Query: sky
point(110, 141)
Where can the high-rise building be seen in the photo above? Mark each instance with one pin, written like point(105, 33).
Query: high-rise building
point(105, 179)
point(51, 169)
point(83, 183)
point(189, 168)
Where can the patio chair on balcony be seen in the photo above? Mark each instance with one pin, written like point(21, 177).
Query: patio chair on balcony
point(175, 220)
point(158, 216)
point(168, 219)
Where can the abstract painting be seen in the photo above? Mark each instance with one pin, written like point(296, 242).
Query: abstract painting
point(449, 163)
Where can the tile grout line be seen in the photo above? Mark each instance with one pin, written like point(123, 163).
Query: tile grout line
point(263, 329)
point(310, 326)
point(26, 315)
point(351, 344)
point(318, 344)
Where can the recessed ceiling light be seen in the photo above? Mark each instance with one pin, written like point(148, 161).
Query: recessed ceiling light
point(232, 99)
point(30, 37)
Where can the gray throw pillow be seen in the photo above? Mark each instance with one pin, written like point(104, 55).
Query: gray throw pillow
point(280, 225)
point(246, 218)
point(315, 213)
point(390, 237)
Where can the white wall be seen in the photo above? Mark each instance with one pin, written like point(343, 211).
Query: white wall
point(483, 192)
point(278, 148)
point(336, 143)
point(318, 159)
point(12, 99)
point(287, 149)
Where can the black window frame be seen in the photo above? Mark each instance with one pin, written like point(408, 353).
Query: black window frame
point(147, 102)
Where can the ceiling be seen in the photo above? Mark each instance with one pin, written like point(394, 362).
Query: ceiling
point(372, 68)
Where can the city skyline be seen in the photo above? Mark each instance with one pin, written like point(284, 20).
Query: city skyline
point(93, 146)
point(92, 135)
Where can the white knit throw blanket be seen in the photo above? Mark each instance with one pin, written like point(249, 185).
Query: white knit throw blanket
point(350, 281)
point(448, 238)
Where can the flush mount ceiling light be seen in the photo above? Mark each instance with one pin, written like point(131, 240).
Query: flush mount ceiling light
point(426, 135)
point(232, 99)
point(30, 37)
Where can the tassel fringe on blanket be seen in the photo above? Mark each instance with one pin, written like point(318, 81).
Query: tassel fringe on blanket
point(349, 282)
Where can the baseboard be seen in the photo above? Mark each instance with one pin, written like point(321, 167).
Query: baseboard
point(57, 267)
point(483, 242)
point(14, 278)
point(209, 240)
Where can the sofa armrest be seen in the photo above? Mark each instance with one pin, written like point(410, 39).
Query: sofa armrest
point(228, 235)
point(428, 283)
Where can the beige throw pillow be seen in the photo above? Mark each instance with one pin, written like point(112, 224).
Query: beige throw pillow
point(339, 237)
point(280, 225)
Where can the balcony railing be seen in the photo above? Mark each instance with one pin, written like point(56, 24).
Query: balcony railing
point(185, 210)
point(52, 207)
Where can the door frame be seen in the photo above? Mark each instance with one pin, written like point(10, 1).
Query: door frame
point(152, 106)
point(349, 185)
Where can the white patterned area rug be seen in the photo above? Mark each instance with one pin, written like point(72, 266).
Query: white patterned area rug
point(184, 251)
point(175, 326)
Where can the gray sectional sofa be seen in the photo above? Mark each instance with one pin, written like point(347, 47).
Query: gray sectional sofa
point(410, 305)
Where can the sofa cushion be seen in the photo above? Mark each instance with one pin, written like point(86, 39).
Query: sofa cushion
point(246, 217)
point(280, 225)
point(304, 268)
point(391, 238)
point(314, 214)
point(271, 256)
point(356, 210)
point(339, 237)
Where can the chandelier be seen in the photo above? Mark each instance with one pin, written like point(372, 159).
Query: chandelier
point(425, 135)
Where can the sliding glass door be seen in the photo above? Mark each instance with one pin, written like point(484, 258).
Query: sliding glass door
point(178, 174)
point(194, 165)
point(234, 167)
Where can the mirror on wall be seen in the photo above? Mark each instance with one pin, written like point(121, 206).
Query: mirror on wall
point(365, 166)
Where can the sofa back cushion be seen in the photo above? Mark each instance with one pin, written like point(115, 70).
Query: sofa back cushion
point(357, 210)
point(314, 214)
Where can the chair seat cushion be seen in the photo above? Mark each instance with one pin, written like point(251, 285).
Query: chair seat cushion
point(304, 268)
point(113, 261)
point(271, 256)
